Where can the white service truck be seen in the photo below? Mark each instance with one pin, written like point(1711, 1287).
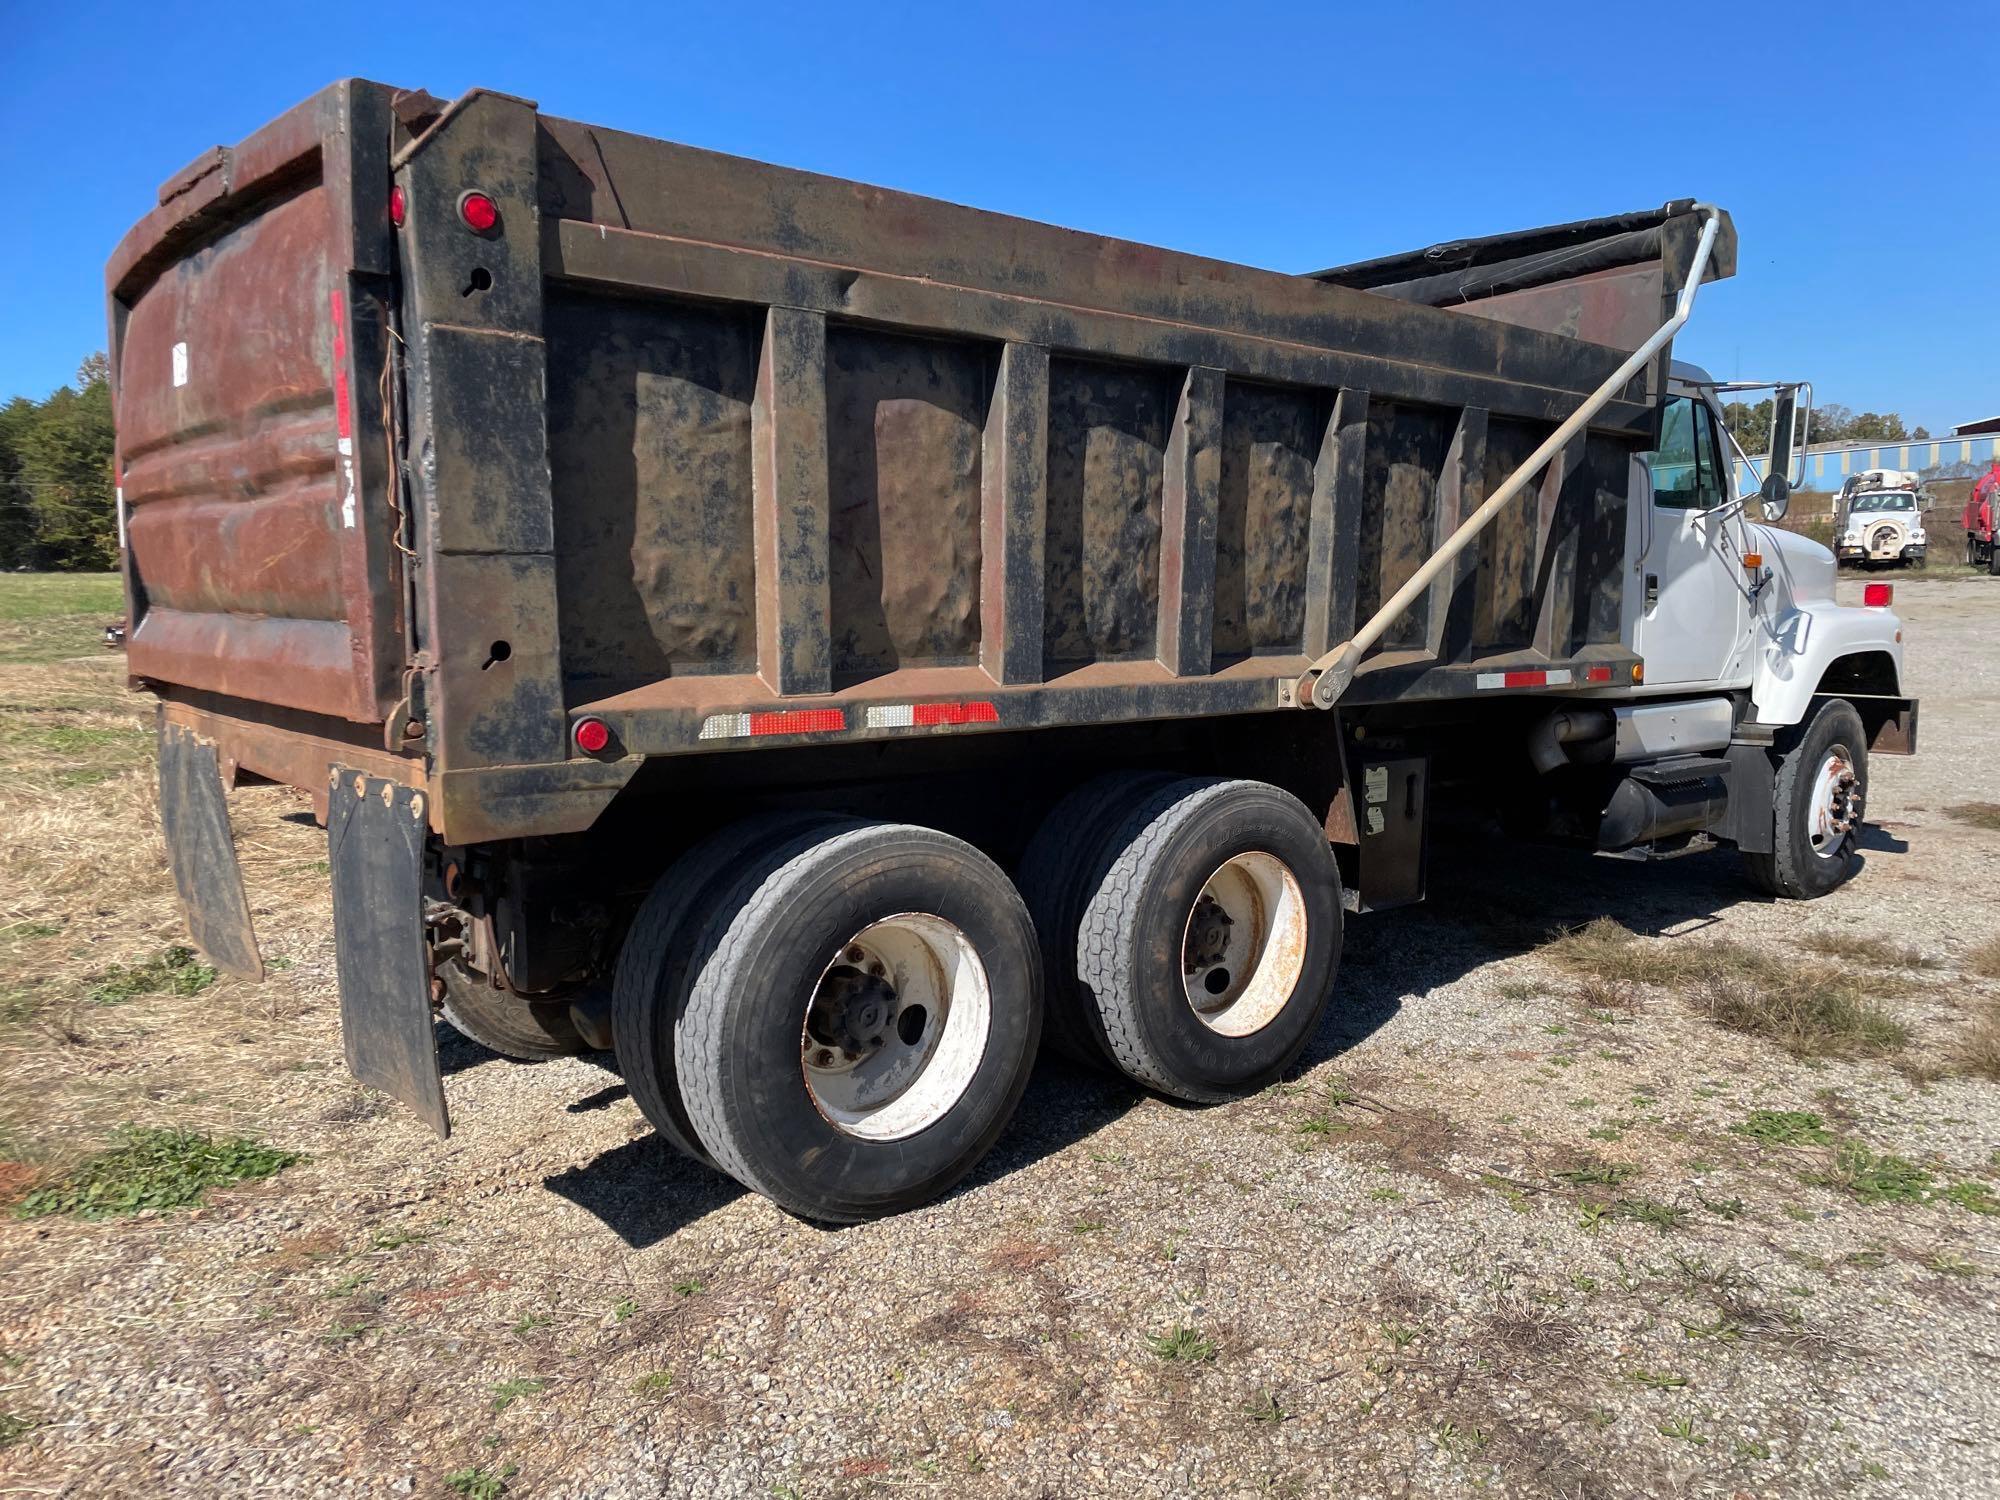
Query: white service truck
point(1879, 518)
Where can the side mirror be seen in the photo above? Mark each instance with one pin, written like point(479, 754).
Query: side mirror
point(1777, 487)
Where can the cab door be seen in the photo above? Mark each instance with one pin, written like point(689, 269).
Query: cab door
point(1694, 613)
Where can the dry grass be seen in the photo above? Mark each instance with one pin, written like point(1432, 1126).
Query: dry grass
point(1985, 959)
point(1984, 815)
point(1856, 948)
point(1979, 1051)
point(1809, 1009)
point(85, 902)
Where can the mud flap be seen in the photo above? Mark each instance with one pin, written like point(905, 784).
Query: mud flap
point(194, 815)
point(375, 846)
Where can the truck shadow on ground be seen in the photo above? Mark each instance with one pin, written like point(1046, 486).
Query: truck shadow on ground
point(1489, 900)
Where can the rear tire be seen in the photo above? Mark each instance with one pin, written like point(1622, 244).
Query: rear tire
point(1209, 943)
point(1064, 856)
point(649, 989)
point(863, 1015)
point(502, 1022)
point(1820, 794)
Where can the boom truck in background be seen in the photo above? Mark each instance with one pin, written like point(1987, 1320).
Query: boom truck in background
point(1878, 517)
point(817, 642)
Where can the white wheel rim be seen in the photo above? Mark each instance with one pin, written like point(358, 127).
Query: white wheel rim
point(1835, 807)
point(896, 1027)
point(1243, 946)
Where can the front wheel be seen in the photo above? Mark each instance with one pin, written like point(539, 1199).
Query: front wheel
point(1821, 788)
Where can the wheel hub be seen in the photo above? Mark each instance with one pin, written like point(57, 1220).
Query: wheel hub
point(1836, 803)
point(1243, 948)
point(895, 1028)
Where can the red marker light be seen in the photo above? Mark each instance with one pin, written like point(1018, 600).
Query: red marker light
point(592, 735)
point(480, 212)
point(1878, 595)
point(396, 206)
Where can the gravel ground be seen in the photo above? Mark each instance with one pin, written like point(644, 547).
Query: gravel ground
point(1387, 1288)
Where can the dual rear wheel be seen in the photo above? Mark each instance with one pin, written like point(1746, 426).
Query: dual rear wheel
point(843, 1015)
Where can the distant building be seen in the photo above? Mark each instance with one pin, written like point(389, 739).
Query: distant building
point(1960, 456)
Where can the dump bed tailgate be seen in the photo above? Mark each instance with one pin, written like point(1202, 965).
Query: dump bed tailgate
point(248, 357)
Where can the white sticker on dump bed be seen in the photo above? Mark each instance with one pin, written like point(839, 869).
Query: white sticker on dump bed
point(180, 364)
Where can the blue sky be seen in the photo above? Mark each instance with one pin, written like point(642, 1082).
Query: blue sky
point(1859, 150)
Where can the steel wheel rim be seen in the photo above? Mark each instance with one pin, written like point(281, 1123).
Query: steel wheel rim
point(896, 1027)
point(1835, 805)
point(1243, 945)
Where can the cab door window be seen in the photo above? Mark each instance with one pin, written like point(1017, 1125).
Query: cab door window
point(1687, 466)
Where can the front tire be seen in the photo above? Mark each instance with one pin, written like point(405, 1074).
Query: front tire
point(1210, 941)
point(863, 1014)
point(1820, 792)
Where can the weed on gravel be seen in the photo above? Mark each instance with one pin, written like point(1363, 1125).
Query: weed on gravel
point(1979, 1049)
point(1182, 1344)
point(481, 1484)
point(1984, 815)
point(1810, 1010)
point(152, 1168)
point(13, 1428)
point(1783, 1127)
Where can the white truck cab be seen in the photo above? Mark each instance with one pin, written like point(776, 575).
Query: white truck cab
point(1762, 695)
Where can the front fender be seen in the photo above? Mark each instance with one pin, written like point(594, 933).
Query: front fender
point(1802, 642)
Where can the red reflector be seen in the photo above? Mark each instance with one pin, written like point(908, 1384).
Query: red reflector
point(977, 712)
point(1597, 674)
point(343, 410)
point(798, 721)
point(480, 212)
point(592, 735)
point(396, 206)
point(1526, 679)
point(1878, 595)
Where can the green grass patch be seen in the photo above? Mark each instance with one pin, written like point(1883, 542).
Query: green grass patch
point(1873, 1178)
point(507, 1392)
point(1783, 1127)
point(1598, 1174)
point(151, 1168)
point(1182, 1344)
point(13, 1428)
point(49, 616)
point(480, 1484)
point(172, 971)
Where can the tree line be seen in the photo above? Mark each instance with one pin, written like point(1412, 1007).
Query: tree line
point(58, 509)
point(1830, 424)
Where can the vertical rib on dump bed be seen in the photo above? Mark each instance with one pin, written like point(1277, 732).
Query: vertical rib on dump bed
point(724, 455)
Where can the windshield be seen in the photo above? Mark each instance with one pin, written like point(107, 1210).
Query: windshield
point(1894, 500)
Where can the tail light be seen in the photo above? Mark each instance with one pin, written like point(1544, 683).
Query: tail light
point(592, 735)
point(398, 206)
point(480, 212)
point(1878, 595)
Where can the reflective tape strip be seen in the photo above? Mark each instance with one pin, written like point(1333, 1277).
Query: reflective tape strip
point(1558, 678)
point(786, 721)
point(924, 715)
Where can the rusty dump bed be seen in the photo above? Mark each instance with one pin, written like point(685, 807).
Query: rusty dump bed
point(723, 455)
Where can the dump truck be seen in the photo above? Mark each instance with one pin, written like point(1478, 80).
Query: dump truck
point(819, 643)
